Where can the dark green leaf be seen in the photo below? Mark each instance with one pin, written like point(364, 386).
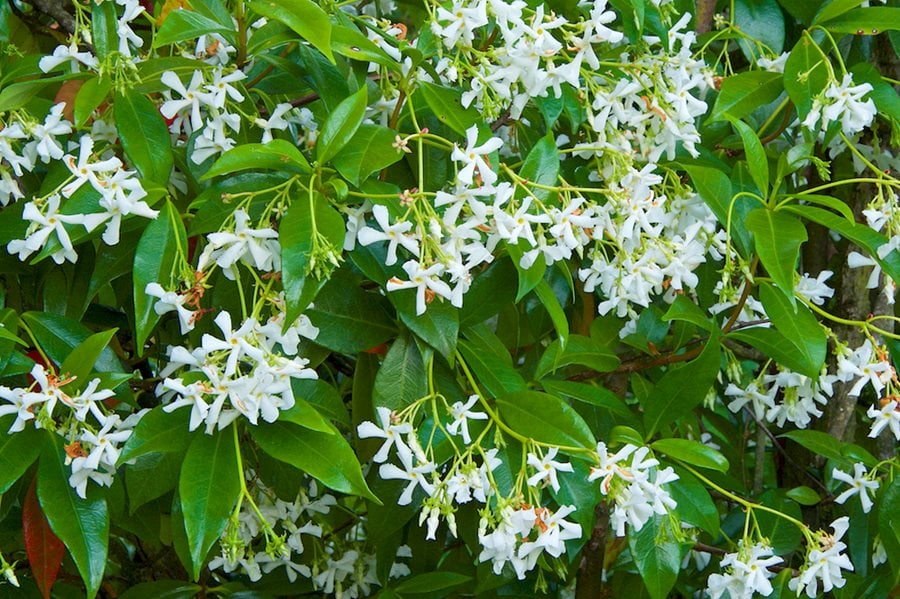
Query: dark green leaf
point(545, 418)
point(144, 136)
point(866, 21)
point(554, 309)
point(694, 502)
point(578, 350)
point(805, 74)
point(401, 379)
point(798, 325)
point(59, 336)
point(80, 362)
point(776, 346)
point(762, 21)
point(306, 416)
point(682, 388)
point(657, 559)
point(447, 106)
point(804, 495)
point(542, 166)
point(18, 451)
point(431, 582)
point(162, 589)
point(82, 524)
point(372, 150)
point(158, 432)
point(160, 249)
point(276, 155)
point(209, 487)
point(684, 309)
point(757, 161)
point(327, 457)
point(181, 25)
point(495, 373)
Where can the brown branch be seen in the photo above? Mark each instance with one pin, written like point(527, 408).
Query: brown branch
point(590, 570)
point(56, 10)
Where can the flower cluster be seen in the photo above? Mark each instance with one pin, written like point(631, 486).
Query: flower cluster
point(746, 573)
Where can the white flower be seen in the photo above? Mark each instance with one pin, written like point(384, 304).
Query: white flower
point(191, 98)
point(462, 412)
point(395, 234)
point(390, 432)
point(275, 121)
point(62, 54)
point(815, 290)
point(416, 475)
point(258, 246)
point(425, 281)
point(49, 222)
point(168, 301)
point(825, 562)
point(44, 142)
point(887, 416)
point(21, 406)
point(473, 157)
point(859, 484)
point(547, 468)
point(747, 573)
point(86, 171)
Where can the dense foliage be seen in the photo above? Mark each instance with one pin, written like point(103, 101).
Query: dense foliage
point(461, 298)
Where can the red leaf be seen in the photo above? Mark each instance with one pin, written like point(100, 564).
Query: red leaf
point(44, 549)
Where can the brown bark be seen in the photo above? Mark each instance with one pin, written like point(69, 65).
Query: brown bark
point(590, 571)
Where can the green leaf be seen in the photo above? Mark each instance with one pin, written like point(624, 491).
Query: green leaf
point(181, 25)
point(542, 166)
point(886, 99)
point(80, 362)
point(150, 477)
point(278, 155)
point(158, 432)
point(692, 452)
point(757, 161)
point(326, 457)
point(529, 277)
point(694, 502)
point(805, 74)
point(162, 589)
point(762, 21)
point(340, 125)
point(798, 325)
point(324, 397)
point(743, 93)
point(58, 336)
point(495, 373)
point(775, 345)
point(306, 416)
point(348, 41)
point(209, 489)
point(684, 309)
point(349, 319)
point(305, 17)
point(818, 443)
point(431, 582)
point(835, 8)
point(783, 535)
point(91, 95)
point(491, 290)
point(715, 189)
point(297, 233)
point(777, 237)
point(804, 495)
point(545, 418)
point(682, 388)
point(104, 36)
point(657, 557)
point(401, 379)
point(595, 396)
point(144, 136)
point(18, 451)
point(438, 326)
point(446, 103)
point(554, 309)
point(578, 350)
point(372, 150)
point(866, 21)
point(889, 524)
point(162, 245)
point(82, 524)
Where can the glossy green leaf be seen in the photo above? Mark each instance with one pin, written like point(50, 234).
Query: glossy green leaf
point(657, 556)
point(181, 25)
point(692, 452)
point(349, 319)
point(761, 20)
point(798, 325)
point(104, 34)
point(743, 93)
point(158, 432)
point(144, 136)
point(58, 336)
point(579, 350)
point(305, 415)
point(80, 362)
point(694, 504)
point(18, 451)
point(91, 95)
point(324, 397)
point(326, 457)
point(682, 388)
point(684, 309)
point(495, 373)
point(595, 396)
point(162, 589)
point(341, 125)
point(831, 9)
point(491, 290)
point(447, 106)
point(715, 189)
point(545, 418)
point(297, 232)
point(348, 41)
point(783, 535)
point(156, 261)
point(777, 237)
point(372, 150)
point(305, 17)
point(150, 477)
point(889, 525)
point(541, 166)
point(757, 161)
point(278, 155)
point(438, 326)
point(818, 443)
point(209, 487)
point(775, 345)
point(401, 379)
point(866, 21)
point(82, 524)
